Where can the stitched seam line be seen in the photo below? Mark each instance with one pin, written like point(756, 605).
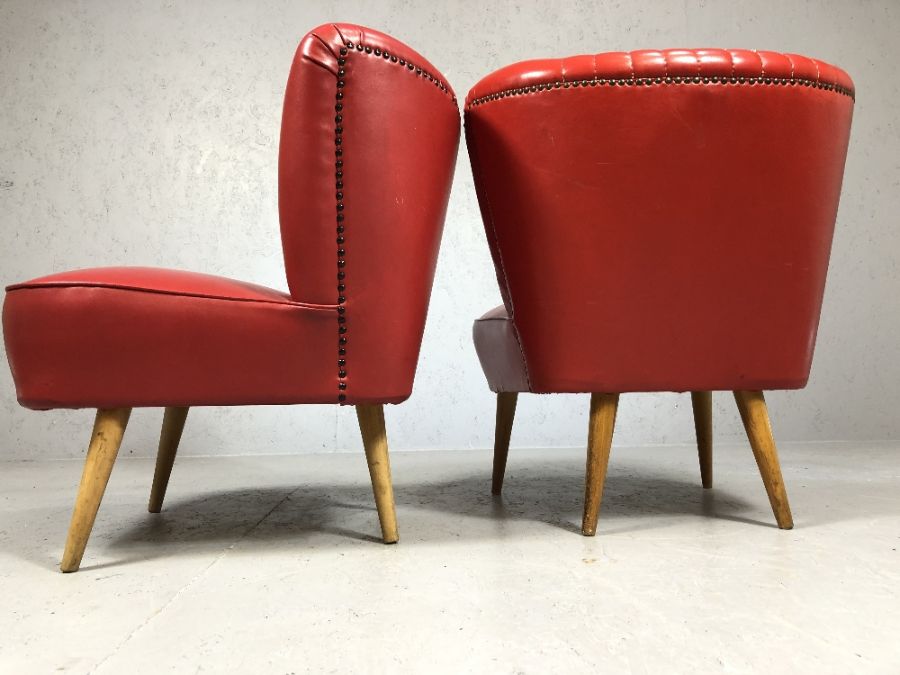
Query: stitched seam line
point(409, 65)
point(339, 199)
point(512, 312)
point(649, 81)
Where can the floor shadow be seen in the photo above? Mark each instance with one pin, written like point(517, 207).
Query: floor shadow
point(557, 498)
point(270, 513)
point(217, 519)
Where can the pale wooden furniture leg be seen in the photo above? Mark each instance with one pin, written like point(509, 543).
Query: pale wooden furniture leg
point(506, 412)
point(600, 434)
point(169, 437)
point(755, 416)
point(702, 404)
point(371, 425)
point(109, 427)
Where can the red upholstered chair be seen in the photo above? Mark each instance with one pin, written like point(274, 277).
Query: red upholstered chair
point(659, 221)
point(368, 146)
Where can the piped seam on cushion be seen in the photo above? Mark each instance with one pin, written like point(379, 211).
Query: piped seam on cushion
point(160, 291)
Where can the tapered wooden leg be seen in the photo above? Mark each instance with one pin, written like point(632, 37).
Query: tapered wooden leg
point(755, 416)
point(600, 434)
point(109, 427)
point(702, 403)
point(506, 412)
point(169, 437)
point(371, 424)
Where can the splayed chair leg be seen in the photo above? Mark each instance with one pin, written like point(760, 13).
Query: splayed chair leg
point(506, 412)
point(371, 425)
point(109, 427)
point(600, 435)
point(702, 404)
point(755, 415)
point(169, 438)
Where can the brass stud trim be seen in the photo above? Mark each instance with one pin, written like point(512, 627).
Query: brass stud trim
point(340, 217)
point(712, 80)
point(393, 58)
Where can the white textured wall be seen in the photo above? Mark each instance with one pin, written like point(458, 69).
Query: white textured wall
point(147, 133)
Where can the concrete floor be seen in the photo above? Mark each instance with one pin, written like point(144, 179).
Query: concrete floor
point(271, 564)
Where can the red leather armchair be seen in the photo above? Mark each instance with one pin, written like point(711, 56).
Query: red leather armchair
point(368, 145)
point(659, 221)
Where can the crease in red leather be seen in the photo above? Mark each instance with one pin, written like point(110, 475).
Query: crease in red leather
point(488, 220)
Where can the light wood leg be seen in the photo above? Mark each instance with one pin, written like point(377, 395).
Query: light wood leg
point(755, 416)
point(702, 403)
point(109, 427)
point(506, 412)
point(600, 434)
point(169, 437)
point(371, 425)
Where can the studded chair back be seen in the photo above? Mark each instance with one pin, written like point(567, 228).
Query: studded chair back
point(368, 146)
point(661, 220)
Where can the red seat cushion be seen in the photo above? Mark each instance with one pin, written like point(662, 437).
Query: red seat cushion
point(500, 353)
point(134, 336)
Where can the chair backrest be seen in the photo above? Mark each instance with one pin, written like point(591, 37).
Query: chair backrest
point(368, 147)
point(662, 220)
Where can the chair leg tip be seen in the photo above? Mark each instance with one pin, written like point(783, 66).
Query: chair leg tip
point(390, 534)
point(68, 568)
point(588, 531)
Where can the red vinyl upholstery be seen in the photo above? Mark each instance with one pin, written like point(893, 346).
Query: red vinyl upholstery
point(368, 147)
point(658, 220)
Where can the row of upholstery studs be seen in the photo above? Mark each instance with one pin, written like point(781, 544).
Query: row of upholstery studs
point(393, 58)
point(339, 192)
point(644, 81)
point(341, 251)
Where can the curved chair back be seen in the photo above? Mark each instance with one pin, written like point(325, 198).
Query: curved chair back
point(662, 220)
point(368, 146)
